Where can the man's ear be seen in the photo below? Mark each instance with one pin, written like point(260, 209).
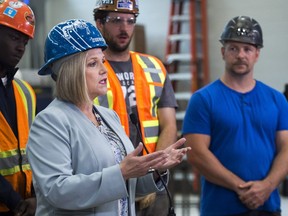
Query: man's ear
point(99, 24)
point(222, 51)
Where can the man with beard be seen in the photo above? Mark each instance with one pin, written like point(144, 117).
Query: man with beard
point(237, 128)
point(138, 87)
point(17, 111)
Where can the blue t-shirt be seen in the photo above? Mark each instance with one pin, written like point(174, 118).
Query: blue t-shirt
point(242, 128)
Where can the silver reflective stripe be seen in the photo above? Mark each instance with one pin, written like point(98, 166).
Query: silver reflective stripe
point(151, 131)
point(103, 100)
point(154, 72)
point(9, 162)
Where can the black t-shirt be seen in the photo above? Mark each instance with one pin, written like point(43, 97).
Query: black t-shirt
point(124, 72)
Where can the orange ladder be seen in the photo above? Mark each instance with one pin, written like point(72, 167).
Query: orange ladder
point(187, 58)
point(187, 50)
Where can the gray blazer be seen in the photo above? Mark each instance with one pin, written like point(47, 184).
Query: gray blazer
point(74, 169)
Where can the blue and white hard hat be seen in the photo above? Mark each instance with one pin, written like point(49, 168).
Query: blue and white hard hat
point(67, 38)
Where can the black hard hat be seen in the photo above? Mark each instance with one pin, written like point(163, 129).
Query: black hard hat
point(243, 29)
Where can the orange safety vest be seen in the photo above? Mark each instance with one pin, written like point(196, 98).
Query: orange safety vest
point(11, 149)
point(149, 74)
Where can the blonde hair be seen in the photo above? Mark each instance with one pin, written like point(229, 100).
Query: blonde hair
point(71, 80)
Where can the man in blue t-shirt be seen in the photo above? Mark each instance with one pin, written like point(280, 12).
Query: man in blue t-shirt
point(238, 130)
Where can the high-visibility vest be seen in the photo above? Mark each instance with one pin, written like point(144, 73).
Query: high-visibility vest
point(14, 166)
point(149, 78)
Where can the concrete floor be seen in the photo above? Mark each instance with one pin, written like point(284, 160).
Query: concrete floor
point(284, 204)
point(184, 210)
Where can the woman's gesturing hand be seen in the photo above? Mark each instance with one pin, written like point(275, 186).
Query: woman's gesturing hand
point(134, 166)
point(176, 154)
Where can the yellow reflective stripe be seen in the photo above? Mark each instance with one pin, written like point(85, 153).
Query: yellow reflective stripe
point(107, 99)
point(96, 101)
point(28, 97)
point(110, 99)
point(11, 171)
point(22, 96)
point(157, 66)
point(153, 108)
point(12, 152)
point(148, 77)
point(151, 131)
point(9, 161)
point(150, 123)
point(143, 65)
point(140, 61)
point(151, 139)
point(152, 90)
point(33, 101)
point(152, 69)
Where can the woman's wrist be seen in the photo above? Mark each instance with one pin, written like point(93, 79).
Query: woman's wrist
point(163, 173)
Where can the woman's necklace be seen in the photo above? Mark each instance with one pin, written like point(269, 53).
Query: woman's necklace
point(97, 118)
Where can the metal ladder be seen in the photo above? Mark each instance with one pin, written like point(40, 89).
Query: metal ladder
point(187, 51)
point(187, 65)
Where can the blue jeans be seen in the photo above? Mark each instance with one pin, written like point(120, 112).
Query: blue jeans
point(259, 213)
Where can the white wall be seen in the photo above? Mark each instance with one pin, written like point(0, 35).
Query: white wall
point(60, 10)
point(273, 18)
point(154, 14)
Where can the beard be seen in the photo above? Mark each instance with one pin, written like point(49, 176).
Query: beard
point(238, 72)
point(114, 46)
